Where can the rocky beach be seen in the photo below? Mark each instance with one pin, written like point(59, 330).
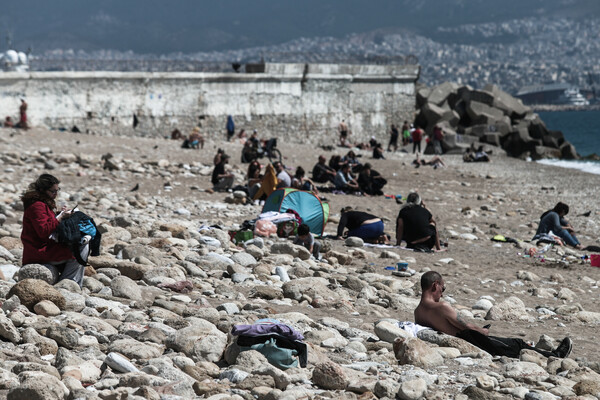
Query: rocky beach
point(154, 316)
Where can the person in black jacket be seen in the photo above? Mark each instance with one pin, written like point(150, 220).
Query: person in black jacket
point(361, 224)
point(416, 226)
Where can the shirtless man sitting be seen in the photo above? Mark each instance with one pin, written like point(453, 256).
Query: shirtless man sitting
point(442, 317)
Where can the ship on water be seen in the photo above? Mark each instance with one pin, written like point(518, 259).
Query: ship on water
point(555, 93)
point(572, 97)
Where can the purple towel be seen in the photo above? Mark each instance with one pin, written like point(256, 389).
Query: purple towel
point(267, 329)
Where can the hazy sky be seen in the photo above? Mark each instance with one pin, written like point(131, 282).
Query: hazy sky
point(152, 26)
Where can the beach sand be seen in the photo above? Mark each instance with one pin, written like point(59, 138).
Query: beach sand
point(506, 196)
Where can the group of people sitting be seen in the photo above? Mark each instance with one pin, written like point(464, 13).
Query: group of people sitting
point(340, 172)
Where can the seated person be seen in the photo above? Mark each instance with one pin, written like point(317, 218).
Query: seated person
point(284, 179)
point(361, 224)
point(322, 172)
point(299, 181)
point(8, 122)
point(415, 225)
point(442, 317)
point(268, 183)
point(553, 220)
point(221, 180)
point(436, 162)
point(335, 162)
point(352, 160)
point(249, 152)
point(196, 139)
point(378, 152)
point(370, 181)
point(254, 178)
point(345, 181)
point(476, 155)
point(305, 238)
point(176, 134)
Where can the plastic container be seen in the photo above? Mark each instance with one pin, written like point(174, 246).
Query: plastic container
point(595, 260)
point(402, 266)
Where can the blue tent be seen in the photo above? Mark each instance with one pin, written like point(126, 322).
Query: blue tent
point(313, 212)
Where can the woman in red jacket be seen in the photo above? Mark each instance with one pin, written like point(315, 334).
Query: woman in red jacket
point(39, 222)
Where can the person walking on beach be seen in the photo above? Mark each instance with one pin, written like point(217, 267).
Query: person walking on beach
point(230, 126)
point(438, 136)
point(442, 317)
point(405, 133)
point(417, 136)
point(343, 130)
point(23, 124)
point(393, 138)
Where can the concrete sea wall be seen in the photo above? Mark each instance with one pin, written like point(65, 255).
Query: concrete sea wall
point(295, 102)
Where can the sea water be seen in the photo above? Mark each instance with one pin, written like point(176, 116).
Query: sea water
point(582, 129)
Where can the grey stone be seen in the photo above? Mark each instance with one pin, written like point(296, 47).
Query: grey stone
point(125, 287)
point(244, 259)
point(229, 308)
point(329, 376)
point(291, 249)
point(413, 389)
point(234, 375)
point(36, 385)
point(36, 271)
point(416, 352)
point(133, 349)
point(389, 332)
point(65, 337)
point(8, 330)
point(354, 241)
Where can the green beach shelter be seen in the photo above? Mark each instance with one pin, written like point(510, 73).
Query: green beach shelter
point(313, 212)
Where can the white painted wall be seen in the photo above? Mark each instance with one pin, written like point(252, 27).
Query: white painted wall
point(291, 101)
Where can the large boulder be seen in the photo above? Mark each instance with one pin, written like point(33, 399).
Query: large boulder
point(292, 249)
point(414, 351)
point(481, 113)
point(446, 92)
point(32, 291)
point(201, 341)
point(330, 376)
point(509, 105)
point(484, 97)
point(311, 287)
point(568, 152)
point(510, 309)
point(37, 385)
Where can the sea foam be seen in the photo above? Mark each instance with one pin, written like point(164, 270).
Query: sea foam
point(591, 167)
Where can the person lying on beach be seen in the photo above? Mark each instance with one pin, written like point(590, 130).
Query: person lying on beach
point(554, 220)
point(435, 162)
point(441, 316)
point(416, 226)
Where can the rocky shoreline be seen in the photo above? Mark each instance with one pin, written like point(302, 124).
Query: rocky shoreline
point(137, 331)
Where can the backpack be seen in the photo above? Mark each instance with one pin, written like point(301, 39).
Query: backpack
point(80, 234)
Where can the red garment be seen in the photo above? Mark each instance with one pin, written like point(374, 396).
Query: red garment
point(39, 222)
point(417, 135)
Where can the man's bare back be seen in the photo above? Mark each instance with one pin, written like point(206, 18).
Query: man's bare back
point(434, 315)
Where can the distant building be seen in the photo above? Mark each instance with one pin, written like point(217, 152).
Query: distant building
point(12, 60)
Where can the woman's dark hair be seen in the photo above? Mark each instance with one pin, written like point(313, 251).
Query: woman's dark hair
point(36, 191)
point(561, 207)
point(252, 168)
point(300, 172)
point(303, 229)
